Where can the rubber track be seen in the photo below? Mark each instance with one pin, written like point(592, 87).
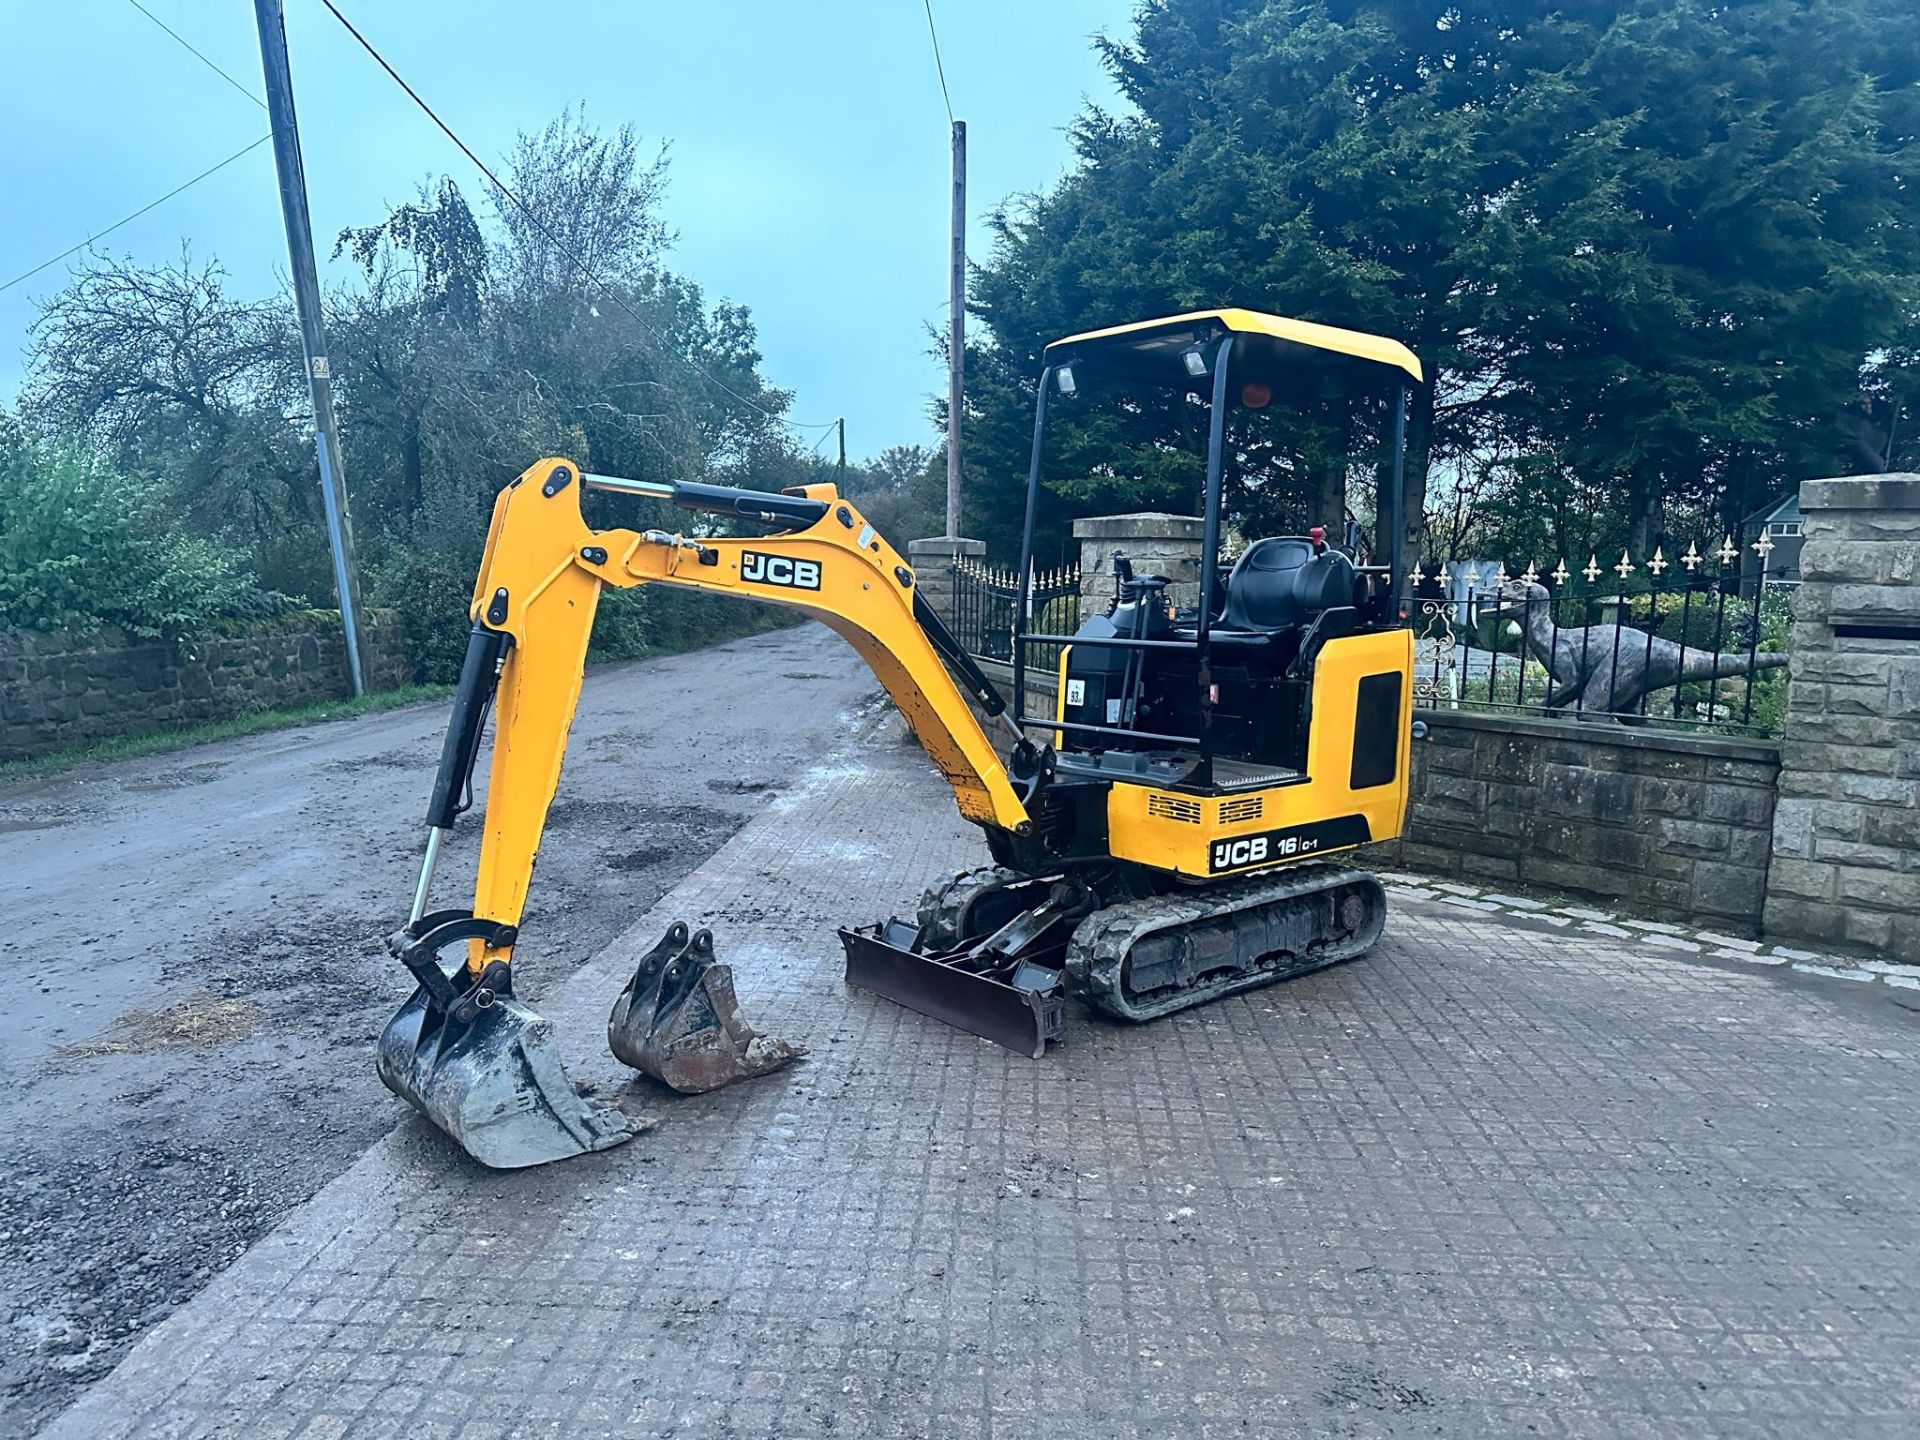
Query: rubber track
point(950, 898)
point(1099, 948)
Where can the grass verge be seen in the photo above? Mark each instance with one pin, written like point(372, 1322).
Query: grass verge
point(129, 747)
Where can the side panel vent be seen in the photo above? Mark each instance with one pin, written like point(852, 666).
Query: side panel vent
point(1170, 807)
point(1232, 812)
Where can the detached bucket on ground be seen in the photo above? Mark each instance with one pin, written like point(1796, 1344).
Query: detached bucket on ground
point(679, 1020)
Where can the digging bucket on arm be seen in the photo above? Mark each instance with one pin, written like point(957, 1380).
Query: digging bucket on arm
point(480, 1065)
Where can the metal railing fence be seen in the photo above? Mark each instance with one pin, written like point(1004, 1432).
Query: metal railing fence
point(1696, 642)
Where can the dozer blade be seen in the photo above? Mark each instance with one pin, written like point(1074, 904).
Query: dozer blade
point(679, 1021)
point(486, 1070)
point(1022, 1011)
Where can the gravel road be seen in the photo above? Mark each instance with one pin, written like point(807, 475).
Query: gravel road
point(193, 971)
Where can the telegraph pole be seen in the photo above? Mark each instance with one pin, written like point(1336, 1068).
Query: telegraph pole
point(841, 474)
point(956, 326)
point(306, 295)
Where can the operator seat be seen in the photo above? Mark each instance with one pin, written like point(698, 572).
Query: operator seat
point(1279, 584)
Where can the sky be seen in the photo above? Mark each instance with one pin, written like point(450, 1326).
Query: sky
point(809, 145)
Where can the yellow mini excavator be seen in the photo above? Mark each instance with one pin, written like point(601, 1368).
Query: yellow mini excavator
point(1157, 842)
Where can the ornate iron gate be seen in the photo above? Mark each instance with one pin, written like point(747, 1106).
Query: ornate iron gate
point(984, 597)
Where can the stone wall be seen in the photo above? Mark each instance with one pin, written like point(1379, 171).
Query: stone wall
point(1676, 825)
point(1846, 833)
point(60, 692)
point(1671, 824)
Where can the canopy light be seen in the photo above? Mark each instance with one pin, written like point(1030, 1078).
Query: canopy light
point(1196, 361)
point(1063, 377)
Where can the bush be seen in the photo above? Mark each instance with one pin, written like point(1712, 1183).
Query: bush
point(82, 546)
point(432, 590)
point(623, 627)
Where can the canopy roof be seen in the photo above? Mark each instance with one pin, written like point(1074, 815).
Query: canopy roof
point(1155, 345)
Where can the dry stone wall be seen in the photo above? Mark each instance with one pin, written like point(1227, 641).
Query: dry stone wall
point(62, 692)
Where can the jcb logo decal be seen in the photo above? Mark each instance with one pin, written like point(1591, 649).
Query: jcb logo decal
point(1245, 851)
point(779, 570)
point(1252, 850)
point(1229, 853)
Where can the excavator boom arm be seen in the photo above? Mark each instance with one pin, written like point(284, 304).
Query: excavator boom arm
point(533, 606)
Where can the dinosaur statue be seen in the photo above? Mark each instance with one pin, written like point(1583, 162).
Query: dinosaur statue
point(1610, 669)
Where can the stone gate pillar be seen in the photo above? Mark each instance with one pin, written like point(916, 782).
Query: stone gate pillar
point(1157, 544)
point(932, 562)
point(1846, 830)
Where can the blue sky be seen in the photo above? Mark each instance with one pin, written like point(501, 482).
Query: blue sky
point(809, 145)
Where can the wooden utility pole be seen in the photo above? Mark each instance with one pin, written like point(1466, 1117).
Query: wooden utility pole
point(306, 295)
point(841, 473)
point(956, 326)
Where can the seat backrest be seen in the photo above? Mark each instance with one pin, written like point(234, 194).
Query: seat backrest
point(1279, 583)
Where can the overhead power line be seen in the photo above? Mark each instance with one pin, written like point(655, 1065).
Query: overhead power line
point(604, 287)
point(187, 45)
point(155, 204)
point(938, 68)
point(129, 219)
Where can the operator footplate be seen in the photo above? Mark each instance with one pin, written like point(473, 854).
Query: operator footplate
point(1007, 994)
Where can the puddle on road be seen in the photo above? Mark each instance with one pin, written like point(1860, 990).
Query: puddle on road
point(200, 1022)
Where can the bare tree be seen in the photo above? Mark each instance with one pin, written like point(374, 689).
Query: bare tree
point(461, 352)
point(182, 382)
point(598, 207)
point(126, 346)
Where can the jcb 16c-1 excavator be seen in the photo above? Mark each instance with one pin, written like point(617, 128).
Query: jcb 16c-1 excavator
point(1157, 842)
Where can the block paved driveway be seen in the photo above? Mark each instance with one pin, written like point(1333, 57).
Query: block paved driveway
point(1493, 1180)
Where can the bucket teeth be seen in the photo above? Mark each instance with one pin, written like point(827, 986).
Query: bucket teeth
point(679, 1021)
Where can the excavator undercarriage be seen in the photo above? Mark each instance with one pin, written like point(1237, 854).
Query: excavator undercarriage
point(995, 951)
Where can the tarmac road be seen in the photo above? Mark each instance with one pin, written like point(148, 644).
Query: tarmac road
point(193, 969)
